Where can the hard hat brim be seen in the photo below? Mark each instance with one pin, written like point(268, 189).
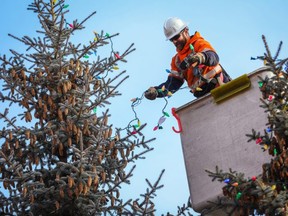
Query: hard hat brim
point(178, 32)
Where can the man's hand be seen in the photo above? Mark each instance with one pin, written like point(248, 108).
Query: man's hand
point(192, 60)
point(151, 93)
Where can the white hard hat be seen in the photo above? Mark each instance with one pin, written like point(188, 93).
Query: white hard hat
point(173, 26)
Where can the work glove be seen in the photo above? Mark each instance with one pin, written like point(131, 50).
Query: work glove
point(192, 59)
point(151, 93)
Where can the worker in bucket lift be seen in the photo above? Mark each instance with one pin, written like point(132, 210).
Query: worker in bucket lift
point(196, 61)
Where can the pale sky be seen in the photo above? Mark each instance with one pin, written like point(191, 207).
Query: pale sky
point(234, 28)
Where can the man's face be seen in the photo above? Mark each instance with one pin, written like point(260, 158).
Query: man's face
point(180, 40)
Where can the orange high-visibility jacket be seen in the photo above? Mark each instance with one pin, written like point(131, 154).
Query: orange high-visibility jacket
point(208, 72)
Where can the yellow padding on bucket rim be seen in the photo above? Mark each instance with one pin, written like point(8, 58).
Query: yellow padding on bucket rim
point(231, 88)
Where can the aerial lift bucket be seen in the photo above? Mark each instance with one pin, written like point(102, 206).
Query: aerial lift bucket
point(213, 133)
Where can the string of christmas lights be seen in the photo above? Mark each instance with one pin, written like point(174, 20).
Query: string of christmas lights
point(135, 102)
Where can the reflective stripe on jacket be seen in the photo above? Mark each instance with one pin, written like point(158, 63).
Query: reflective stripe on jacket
point(208, 76)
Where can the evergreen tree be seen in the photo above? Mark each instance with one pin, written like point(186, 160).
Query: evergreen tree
point(65, 159)
point(267, 193)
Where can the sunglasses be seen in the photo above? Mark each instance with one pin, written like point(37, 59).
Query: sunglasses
point(176, 37)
